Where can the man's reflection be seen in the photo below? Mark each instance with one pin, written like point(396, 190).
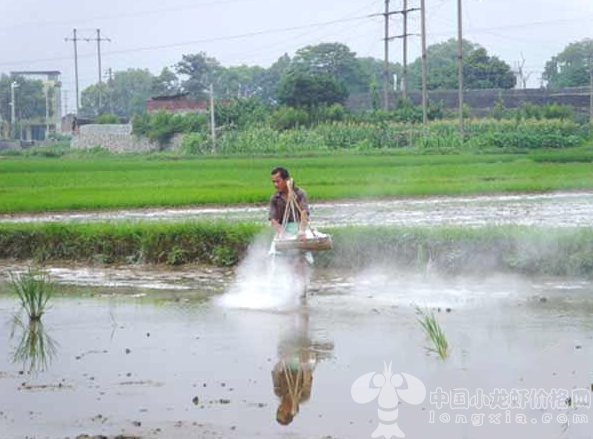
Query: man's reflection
point(293, 373)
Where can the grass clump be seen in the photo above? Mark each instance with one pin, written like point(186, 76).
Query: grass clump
point(34, 289)
point(36, 349)
point(433, 331)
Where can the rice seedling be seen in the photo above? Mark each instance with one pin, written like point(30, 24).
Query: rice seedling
point(71, 184)
point(433, 331)
point(36, 349)
point(34, 289)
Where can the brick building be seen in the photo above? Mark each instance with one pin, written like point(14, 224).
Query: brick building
point(179, 103)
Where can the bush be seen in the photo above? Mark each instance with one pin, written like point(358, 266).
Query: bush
point(195, 143)
point(107, 118)
point(285, 118)
point(161, 126)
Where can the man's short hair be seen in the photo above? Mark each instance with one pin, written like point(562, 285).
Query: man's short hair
point(282, 171)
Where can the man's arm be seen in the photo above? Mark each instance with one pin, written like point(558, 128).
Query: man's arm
point(273, 216)
point(277, 226)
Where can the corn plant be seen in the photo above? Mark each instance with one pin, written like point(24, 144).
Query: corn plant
point(434, 332)
point(34, 289)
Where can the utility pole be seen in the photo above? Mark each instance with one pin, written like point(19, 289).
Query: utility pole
point(386, 15)
point(404, 36)
point(47, 124)
point(98, 39)
point(386, 66)
point(212, 121)
point(75, 39)
point(590, 91)
point(65, 101)
point(110, 86)
point(460, 66)
point(13, 85)
point(405, 54)
point(424, 99)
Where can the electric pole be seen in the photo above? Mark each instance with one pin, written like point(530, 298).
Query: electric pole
point(65, 101)
point(405, 54)
point(98, 39)
point(110, 87)
point(74, 39)
point(460, 66)
point(386, 66)
point(13, 85)
point(424, 99)
point(212, 121)
point(404, 36)
point(590, 91)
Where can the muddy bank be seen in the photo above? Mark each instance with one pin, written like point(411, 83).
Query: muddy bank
point(126, 365)
point(549, 251)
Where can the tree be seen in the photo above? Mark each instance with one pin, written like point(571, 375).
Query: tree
point(483, 71)
point(165, 84)
point(334, 59)
point(241, 82)
point(273, 77)
point(124, 95)
point(570, 68)
point(304, 90)
point(29, 97)
point(373, 70)
point(480, 70)
point(200, 71)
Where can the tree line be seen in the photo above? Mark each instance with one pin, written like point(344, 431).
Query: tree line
point(325, 74)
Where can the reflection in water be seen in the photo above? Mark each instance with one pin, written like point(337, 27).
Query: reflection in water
point(292, 375)
point(36, 348)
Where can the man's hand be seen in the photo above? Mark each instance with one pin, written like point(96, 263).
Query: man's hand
point(302, 235)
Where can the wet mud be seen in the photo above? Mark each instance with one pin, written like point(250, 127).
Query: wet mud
point(153, 353)
point(524, 209)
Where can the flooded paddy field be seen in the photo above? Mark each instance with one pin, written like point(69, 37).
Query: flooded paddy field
point(522, 209)
point(160, 353)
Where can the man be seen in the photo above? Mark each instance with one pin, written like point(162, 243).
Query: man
point(294, 220)
point(278, 203)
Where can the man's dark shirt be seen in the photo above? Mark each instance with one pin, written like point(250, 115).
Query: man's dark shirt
point(278, 206)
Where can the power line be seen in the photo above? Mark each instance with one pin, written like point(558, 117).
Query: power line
point(121, 15)
point(205, 40)
point(279, 30)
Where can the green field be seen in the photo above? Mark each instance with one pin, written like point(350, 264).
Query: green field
point(44, 184)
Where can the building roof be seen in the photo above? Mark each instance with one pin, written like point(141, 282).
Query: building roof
point(35, 72)
point(176, 104)
point(177, 96)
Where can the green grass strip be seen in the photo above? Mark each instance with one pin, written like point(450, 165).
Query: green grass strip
point(528, 250)
point(102, 183)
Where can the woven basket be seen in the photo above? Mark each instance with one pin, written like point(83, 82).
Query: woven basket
point(315, 244)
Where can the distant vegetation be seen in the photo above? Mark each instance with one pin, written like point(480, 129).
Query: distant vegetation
point(248, 126)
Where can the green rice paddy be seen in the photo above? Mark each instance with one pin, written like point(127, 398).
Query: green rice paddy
point(53, 184)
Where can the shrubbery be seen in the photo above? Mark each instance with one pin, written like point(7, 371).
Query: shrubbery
point(247, 126)
point(161, 126)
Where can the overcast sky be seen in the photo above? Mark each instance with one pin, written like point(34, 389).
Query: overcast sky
point(153, 34)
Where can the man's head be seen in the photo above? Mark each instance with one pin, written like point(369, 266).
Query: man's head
point(286, 410)
point(280, 177)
